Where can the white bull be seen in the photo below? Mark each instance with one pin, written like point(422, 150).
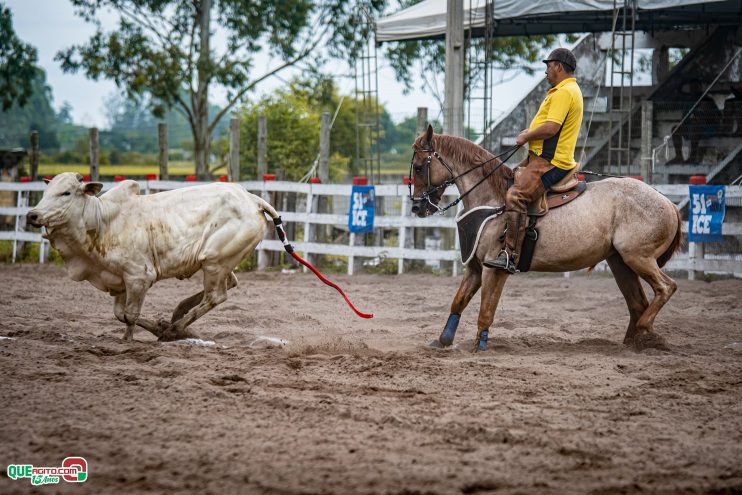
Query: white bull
point(123, 243)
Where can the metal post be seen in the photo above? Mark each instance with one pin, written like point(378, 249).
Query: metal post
point(94, 165)
point(646, 152)
point(234, 150)
point(454, 79)
point(162, 140)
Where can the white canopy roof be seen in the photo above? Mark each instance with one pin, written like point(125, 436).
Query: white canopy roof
point(427, 19)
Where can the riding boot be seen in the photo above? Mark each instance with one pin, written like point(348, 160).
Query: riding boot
point(515, 231)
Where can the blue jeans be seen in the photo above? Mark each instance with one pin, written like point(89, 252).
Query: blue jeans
point(553, 176)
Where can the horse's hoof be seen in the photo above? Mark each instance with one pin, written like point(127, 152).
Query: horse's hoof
point(436, 344)
point(481, 344)
point(449, 331)
point(650, 340)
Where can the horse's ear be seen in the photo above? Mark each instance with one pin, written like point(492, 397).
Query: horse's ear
point(429, 134)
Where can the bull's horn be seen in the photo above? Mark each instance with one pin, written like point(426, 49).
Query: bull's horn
point(79, 177)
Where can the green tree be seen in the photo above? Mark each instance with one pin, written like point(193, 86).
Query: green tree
point(164, 49)
point(293, 121)
point(133, 127)
point(17, 64)
point(293, 134)
point(37, 114)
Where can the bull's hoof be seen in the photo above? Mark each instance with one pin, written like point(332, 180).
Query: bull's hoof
point(650, 340)
point(169, 333)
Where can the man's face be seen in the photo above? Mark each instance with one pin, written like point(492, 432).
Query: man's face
point(551, 72)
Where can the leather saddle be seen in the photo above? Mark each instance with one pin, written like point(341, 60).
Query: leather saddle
point(559, 194)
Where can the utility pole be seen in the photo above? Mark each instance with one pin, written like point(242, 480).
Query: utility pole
point(454, 82)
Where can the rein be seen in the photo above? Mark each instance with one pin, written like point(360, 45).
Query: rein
point(442, 187)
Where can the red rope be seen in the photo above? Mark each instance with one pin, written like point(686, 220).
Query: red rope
point(334, 286)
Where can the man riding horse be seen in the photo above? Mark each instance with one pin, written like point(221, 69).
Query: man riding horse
point(552, 137)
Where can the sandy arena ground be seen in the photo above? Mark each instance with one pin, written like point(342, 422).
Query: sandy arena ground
point(365, 406)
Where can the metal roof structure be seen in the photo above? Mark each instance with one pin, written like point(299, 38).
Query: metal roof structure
point(427, 19)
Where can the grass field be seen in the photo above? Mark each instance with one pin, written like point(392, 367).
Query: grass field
point(175, 169)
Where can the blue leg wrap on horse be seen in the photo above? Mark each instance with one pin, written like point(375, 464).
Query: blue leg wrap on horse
point(449, 332)
point(482, 339)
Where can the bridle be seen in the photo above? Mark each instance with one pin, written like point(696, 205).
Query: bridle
point(432, 190)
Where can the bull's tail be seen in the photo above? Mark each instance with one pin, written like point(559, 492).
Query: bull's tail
point(267, 208)
point(674, 246)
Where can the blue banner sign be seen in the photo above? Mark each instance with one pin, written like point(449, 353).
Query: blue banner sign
point(361, 215)
point(707, 212)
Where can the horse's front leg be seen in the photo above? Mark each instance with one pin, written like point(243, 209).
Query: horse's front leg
point(493, 282)
point(470, 284)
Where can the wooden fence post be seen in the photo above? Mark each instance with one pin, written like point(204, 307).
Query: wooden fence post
point(162, 139)
point(262, 146)
point(34, 158)
point(94, 148)
point(323, 203)
point(234, 150)
point(417, 235)
point(265, 257)
point(696, 252)
point(318, 203)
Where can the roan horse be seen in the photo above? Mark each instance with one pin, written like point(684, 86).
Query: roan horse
point(623, 221)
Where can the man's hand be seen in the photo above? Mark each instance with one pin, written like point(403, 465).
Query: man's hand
point(522, 138)
point(544, 131)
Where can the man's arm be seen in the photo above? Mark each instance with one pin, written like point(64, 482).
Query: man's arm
point(544, 131)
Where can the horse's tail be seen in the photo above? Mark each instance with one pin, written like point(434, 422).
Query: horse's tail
point(674, 246)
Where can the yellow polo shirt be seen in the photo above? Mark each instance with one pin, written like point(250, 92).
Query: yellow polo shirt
point(562, 105)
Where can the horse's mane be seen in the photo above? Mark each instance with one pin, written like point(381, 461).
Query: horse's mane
point(470, 155)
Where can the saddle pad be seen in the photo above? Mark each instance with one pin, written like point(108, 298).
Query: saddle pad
point(470, 224)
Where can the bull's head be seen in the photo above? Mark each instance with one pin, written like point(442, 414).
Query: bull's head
point(63, 199)
point(427, 173)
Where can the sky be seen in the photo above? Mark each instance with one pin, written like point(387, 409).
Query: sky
point(51, 25)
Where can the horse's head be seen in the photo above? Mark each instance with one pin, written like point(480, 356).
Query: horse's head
point(429, 175)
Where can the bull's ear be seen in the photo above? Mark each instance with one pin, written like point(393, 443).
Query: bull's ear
point(46, 181)
point(429, 134)
point(92, 188)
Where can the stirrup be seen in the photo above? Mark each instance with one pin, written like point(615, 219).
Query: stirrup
point(503, 262)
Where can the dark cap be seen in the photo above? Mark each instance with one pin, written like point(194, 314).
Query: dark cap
point(564, 56)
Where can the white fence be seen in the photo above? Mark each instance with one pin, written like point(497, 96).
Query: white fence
point(397, 201)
